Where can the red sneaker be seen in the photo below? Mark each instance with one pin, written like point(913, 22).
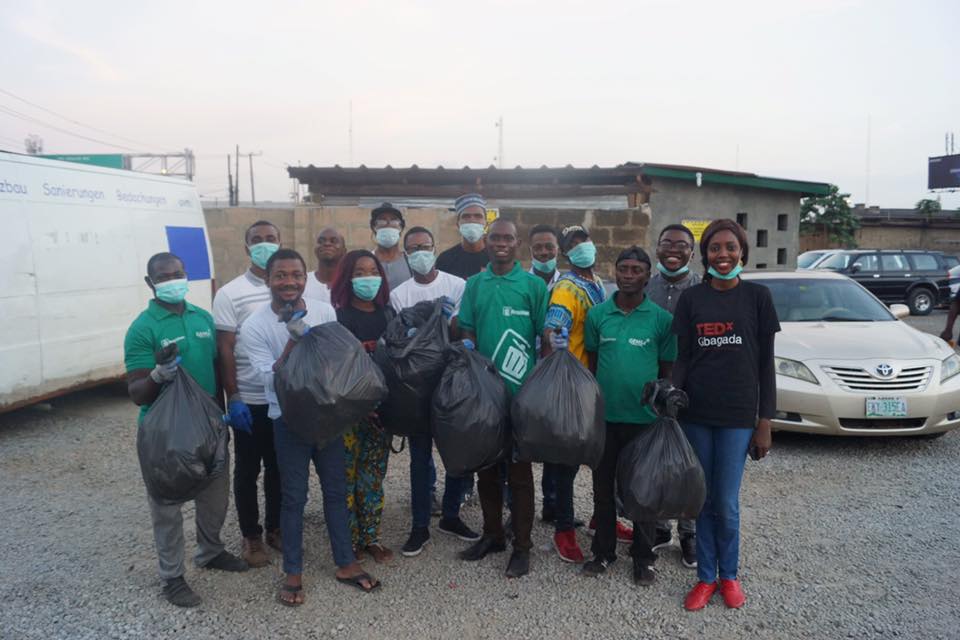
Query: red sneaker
point(624, 533)
point(565, 542)
point(699, 596)
point(732, 593)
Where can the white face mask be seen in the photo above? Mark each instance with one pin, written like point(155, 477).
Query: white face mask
point(388, 237)
point(471, 231)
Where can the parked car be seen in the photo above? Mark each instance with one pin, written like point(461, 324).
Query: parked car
point(919, 279)
point(954, 281)
point(810, 259)
point(846, 365)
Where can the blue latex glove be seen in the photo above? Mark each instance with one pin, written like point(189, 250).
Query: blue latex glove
point(412, 331)
point(447, 306)
point(560, 339)
point(239, 416)
point(468, 345)
point(296, 325)
point(166, 372)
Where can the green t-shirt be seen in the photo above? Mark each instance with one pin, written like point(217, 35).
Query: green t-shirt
point(629, 348)
point(506, 313)
point(194, 333)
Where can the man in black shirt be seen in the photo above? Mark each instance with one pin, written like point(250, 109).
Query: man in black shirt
point(470, 256)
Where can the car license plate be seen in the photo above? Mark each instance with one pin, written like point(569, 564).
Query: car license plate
point(886, 407)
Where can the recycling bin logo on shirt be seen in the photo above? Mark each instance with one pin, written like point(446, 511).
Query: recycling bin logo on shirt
point(512, 356)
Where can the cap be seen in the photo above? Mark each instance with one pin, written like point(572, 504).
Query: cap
point(386, 207)
point(569, 234)
point(633, 253)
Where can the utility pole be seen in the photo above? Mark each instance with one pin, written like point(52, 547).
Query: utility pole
point(230, 192)
point(350, 134)
point(237, 173)
point(253, 196)
point(867, 195)
point(499, 126)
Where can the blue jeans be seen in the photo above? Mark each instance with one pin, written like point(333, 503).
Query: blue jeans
point(293, 458)
point(723, 453)
point(563, 478)
point(421, 454)
point(548, 484)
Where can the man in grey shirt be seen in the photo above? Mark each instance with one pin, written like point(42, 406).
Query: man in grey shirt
point(673, 277)
point(386, 222)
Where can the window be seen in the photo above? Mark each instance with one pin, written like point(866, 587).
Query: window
point(742, 220)
point(781, 256)
point(761, 237)
point(782, 222)
point(924, 262)
point(894, 262)
point(761, 265)
point(866, 262)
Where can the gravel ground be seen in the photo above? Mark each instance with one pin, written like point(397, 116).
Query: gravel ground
point(842, 538)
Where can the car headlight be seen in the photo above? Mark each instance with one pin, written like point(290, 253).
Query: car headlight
point(798, 370)
point(949, 367)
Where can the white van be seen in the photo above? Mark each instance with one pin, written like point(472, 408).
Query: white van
point(71, 274)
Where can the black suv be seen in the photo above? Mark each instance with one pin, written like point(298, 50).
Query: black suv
point(919, 279)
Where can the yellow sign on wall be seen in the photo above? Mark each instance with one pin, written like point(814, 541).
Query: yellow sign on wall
point(696, 226)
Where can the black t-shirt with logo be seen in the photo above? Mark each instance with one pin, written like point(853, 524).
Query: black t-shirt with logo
point(462, 263)
point(725, 341)
point(366, 326)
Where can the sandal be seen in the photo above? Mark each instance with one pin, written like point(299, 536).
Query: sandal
point(358, 580)
point(379, 553)
point(293, 591)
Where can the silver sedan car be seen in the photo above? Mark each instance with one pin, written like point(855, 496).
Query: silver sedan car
point(846, 365)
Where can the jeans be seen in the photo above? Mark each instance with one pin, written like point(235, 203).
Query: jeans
point(548, 485)
point(421, 454)
point(604, 545)
point(685, 528)
point(723, 453)
point(563, 478)
point(250, 449)
point(293, 457)
point(490, 488)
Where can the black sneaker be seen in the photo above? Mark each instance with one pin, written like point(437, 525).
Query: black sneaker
point(519, 564)
point(643, 575)
point(226, 561)
point(415, 543)
point(481, 548)
point(456, 527)
point(595, 568)
point(178, 593)
point(662, 539)
point(688, 551)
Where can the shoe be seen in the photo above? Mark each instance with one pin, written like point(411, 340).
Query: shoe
point(226, 561)
point(275, 540)
point(480, 549)
point(662, 539)
point(699, 596)
point(253, 553)
point(565, 542)
point(519, 564)
point(178, 593)
point(595, 568)
point(415, 543)
point(643, 574)
point(732, 593)
point(436, 508)
point(456, 527)
point(548, 514)
point(624, 533)
point(688, 551)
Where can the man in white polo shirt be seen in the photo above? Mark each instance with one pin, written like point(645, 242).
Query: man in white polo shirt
point(329, 250)
point(247, 404)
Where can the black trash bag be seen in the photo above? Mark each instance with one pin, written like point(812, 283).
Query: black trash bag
point(181, 442)
point(327, 384)
point(412, 366)
point(558, 414)
point(470, 415)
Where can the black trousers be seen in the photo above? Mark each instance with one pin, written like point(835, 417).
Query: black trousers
point(604, 503)
point(250, 450)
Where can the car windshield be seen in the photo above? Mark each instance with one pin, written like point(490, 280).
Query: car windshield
point(823, 300)
point(806, 259)
point(837, 261)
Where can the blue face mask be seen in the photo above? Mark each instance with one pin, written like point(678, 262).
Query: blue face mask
point(421, 261)
point(171, 291)
point(730, 276)
point(672, 274)
point(545, 267)
point(471, 231)
point(366, 287)
point(388, 237)
point(583, 255)
point(261, 252)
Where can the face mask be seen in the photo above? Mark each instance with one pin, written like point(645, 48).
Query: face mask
point(388, 237)
point(730, 276)
point(679, 272)
point(471, 231)
point(422, 261)
point(171, 291)
point(545, 267)
point(583, 255)
point(366, 288)
point(261, 252)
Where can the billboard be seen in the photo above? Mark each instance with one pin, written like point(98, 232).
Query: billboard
point(110, 160)
point(944, 172)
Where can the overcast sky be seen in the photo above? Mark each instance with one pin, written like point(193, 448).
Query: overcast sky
point(793, 84)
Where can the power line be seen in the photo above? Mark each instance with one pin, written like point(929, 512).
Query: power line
point(22, 116)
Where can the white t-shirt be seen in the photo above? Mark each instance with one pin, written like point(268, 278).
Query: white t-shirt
point(316, 289)
point(411, 292)
point(233, 304)
point(264, 338)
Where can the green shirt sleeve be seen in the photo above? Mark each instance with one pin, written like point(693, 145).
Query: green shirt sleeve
point(668, 340)
point(138, 347)
point(591, 331)
point(465, 319)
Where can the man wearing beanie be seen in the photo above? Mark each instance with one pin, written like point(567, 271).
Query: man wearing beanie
point(469, 257)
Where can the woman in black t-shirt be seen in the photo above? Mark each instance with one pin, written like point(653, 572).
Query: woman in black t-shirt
point(360, 294)
point(725, 330)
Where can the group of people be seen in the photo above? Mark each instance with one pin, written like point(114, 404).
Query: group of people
point(713, 336)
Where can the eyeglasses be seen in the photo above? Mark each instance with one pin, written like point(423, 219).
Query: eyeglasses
point(679, 245)
point(383, 224)
point(419, 247)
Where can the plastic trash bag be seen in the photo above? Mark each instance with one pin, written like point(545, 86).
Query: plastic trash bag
point(327, 384)
point(659, 476)
point(181, 442)
point(411, 355)
point(470, 415)
point(558, 414)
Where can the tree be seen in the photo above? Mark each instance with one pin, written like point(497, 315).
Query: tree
point(928, 208)
point(832, 214)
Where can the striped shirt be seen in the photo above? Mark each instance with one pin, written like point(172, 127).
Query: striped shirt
point(233, 304)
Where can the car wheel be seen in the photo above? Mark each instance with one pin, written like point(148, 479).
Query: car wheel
point(920, 302)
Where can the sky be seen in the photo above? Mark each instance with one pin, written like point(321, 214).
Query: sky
point(811, 90)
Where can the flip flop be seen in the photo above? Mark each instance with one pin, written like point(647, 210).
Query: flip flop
point(358, 580)
point(292, 590)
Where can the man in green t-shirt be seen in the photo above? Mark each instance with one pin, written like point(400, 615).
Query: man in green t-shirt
point(629, 342)
point(170, 319)
point(502, 313)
